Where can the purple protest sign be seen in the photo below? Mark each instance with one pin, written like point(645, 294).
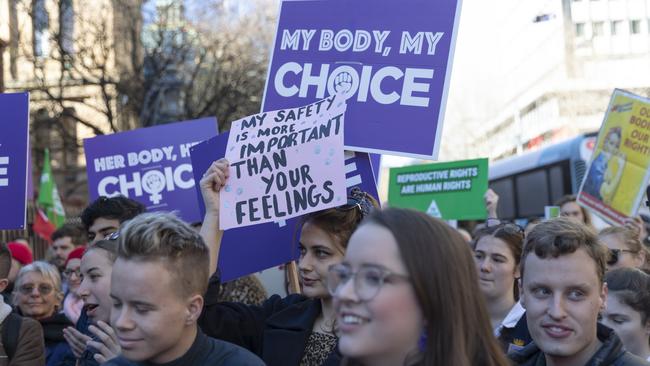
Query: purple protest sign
point(392, 59)
point(150, 165)
point(14, 147)
point(250, 249)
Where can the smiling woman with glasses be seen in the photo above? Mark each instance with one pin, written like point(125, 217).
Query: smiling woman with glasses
point(37, 294)
point(625, 248)
point(407, 294)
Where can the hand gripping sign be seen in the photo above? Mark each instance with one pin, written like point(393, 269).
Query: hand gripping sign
point(284, 164)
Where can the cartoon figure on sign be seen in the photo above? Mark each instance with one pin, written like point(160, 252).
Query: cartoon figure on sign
point(607, 168)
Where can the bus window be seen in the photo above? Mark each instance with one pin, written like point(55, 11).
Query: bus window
point(557, 184)
point(505, 189)
point(532, 193)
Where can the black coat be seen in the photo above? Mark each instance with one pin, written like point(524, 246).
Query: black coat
point(611, 353)
point(277, 331)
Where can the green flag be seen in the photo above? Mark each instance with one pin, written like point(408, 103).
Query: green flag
point(48, 195)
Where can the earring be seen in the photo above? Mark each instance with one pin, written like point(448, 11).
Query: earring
point(422, 342)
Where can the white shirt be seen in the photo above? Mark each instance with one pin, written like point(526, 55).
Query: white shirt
point(511, 319)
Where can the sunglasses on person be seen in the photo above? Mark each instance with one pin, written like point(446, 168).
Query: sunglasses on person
point(509, 227)
point(42, 289)
point(614, 254)
point(357, 200)
point(367, 281)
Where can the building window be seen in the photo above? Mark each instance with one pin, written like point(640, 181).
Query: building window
point(66, 27)
point(617, 27)
point(635, 26)
point(598, 29)
point(41, 23)
point(580, 29)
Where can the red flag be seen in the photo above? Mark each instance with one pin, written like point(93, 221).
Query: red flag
point(42, 225)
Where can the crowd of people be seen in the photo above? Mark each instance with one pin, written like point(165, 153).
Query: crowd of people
point(377, 287)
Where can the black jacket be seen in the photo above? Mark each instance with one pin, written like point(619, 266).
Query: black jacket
point(611, 353)
point(205, 351)
point(277, 331)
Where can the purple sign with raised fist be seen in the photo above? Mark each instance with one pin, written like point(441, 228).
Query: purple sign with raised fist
point(391, 59)
point(150, 165)
point(250, 249)
point(14, 147)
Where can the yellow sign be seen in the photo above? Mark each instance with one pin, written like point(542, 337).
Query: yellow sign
point(618, 173)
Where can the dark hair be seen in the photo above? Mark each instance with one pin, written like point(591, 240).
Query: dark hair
point(160, 236)
point(614, 131)
point(459, 331)
point(561, 236)
point(510, 234)
point(572, 198)
point(5, 261)
point(632, 286)
point(340, 222)
point(108, 246)
point(118, 208)
point(75, 232)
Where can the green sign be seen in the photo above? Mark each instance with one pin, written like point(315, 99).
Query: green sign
point(450, 191)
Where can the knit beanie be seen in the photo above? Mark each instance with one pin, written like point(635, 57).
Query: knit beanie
point(21, 253)
point(76, 253)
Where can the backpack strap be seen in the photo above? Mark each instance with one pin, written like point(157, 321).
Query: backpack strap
point(10, 332)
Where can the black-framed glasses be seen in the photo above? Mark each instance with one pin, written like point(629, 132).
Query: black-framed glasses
point(43, 289)
point(367, 280)
point(69, 272)
point(614, 254)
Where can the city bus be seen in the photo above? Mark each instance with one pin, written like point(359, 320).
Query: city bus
point(528, 182)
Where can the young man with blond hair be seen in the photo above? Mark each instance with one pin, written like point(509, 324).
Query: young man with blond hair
point(157, 287)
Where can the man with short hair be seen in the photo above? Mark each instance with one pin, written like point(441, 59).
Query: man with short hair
point(563, 290)
point(21, 341)
point(157, 286)
point(64, 240)
point(104, 216)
